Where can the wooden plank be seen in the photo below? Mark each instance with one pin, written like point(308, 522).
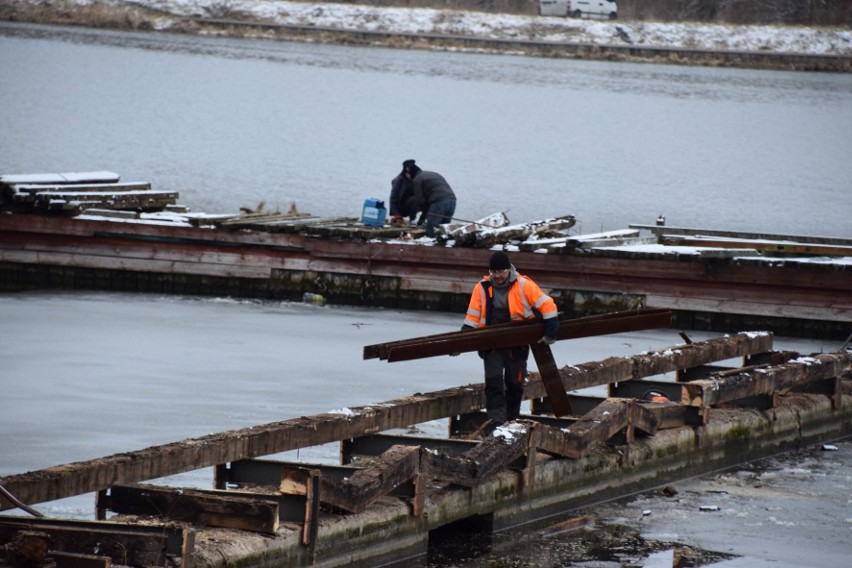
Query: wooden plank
point(86, 187)
point(780, 247)
point(552, 380)
point(133, 545)
point(664, 230)
point(77, 201)
point(51, 178)
point(235, 511)
point(766, 381)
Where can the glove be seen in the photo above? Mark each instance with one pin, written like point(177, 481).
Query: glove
point(547, 340)
point(397, 221)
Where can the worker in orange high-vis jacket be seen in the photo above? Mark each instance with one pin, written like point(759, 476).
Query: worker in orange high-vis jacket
point(501, 296)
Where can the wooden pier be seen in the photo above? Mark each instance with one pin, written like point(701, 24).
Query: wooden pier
point(92, 231)
point(391, 489)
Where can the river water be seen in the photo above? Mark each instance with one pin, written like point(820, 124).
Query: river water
point(230, 123)
point(233, 122)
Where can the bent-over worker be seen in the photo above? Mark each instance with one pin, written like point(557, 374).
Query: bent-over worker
point(425, 192)
point(501, 296)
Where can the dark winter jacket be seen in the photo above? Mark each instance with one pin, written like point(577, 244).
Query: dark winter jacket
point(429, 188)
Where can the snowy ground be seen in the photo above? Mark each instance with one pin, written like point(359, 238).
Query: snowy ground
point(794, 39)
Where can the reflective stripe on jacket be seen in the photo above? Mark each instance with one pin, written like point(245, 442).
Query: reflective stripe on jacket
point(525, 297)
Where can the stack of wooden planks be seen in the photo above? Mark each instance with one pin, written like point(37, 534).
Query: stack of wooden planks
point(74, 193)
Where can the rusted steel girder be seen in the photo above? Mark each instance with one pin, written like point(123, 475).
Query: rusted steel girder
point(516, 334)
point(559, 401)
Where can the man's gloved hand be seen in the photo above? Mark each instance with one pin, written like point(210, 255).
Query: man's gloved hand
point(397, 221)
point(547, 340)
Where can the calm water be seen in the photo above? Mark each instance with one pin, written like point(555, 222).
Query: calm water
point(230, 123)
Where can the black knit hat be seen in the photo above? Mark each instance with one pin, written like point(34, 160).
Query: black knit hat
point(409, 167)
point(499, 261)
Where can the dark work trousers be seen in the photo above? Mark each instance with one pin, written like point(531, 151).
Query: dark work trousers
point(505, 375)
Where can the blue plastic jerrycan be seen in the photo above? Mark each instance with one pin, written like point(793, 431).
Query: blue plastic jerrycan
point(374, 212)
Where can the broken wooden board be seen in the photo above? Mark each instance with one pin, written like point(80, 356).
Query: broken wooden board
point(596, 427)
point(222, 509)
point(508, 443)
point(400, 464)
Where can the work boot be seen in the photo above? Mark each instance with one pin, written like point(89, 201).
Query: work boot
point(489, 430)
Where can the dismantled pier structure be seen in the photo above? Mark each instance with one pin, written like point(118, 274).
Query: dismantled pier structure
point(391, 489)
point(668, 414)
point(91, 231)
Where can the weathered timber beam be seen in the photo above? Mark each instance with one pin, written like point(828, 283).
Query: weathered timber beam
point(664, 230)
point(778, 246)
point(508, 443)
point(291, 508)
point(90, 476)
point(521, 333)
point(103, 187)
point(130, 545)
point(596, 427)
point(766, 380)
point(670, 359)
point(398, 465)
point(222, 509)
point(297, 479)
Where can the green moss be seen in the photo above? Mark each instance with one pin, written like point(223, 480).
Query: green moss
point(504, 492)
point(667, 451)
point(737, 433)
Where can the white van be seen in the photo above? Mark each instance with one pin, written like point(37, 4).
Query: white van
point(603, 9)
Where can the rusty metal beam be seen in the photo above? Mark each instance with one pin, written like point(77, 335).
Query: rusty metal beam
point(517, 334)
point(560, 404)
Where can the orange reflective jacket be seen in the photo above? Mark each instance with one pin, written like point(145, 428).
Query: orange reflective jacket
point(525, 299)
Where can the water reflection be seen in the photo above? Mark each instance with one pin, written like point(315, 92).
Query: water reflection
point(543, 545)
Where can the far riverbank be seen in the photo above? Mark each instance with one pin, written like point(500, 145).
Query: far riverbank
point(756, 47)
